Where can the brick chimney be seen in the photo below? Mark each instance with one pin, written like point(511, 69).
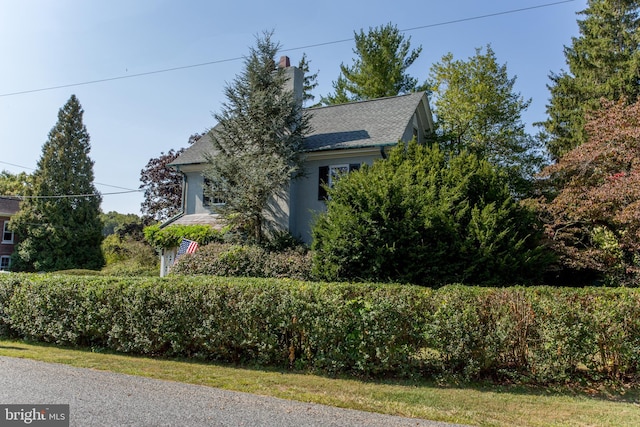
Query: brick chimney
point(295, 78)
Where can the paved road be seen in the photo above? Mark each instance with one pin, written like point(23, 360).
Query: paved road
point(99, 398)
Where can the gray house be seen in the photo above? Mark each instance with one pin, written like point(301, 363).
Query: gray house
point(342, 138)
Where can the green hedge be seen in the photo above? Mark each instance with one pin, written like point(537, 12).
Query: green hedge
point(226, 259)
point(534, 335)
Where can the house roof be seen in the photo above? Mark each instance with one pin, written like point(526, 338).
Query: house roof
point(9, 206)
point(371, 123)
point(214, 220)
point(361, 124)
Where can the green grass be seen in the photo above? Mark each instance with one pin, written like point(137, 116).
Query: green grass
point(482, 405)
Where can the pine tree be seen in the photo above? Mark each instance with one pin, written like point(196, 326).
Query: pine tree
point(604, 62)
point(58, 223)
point(310, 81)
point(383, 56)
point(257, 143)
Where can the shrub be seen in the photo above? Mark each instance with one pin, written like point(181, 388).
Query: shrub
point(421, 218)
point(224, 259)
point(171, 236)
point(538, 335)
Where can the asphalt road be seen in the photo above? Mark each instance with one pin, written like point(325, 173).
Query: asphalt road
point(98, 398)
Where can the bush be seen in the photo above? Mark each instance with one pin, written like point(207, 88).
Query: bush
point(128, 257)
point(171, 236)
point(224, 259)
point(362, 329)
point(539, 335)
point(421, 218)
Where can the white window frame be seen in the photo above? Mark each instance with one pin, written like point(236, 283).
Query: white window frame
point(5, 262)
point(5, 231)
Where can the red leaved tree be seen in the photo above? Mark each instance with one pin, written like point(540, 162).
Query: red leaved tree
point(593, 215)
point(162, 185)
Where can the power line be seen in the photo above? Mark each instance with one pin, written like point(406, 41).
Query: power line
point(130, 190)
point(203, 64)
point(67, 196)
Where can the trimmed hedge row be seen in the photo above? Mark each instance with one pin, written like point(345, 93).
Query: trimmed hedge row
point(535, 334)
point(226, 259)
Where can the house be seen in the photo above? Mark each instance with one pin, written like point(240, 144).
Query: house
point(8, 207)
point(342, 138)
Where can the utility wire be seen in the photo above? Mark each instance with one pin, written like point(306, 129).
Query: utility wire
point(129, 190)
point(203, 64)
point(69, 196)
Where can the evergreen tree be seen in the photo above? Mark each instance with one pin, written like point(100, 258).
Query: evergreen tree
point(421, 218)
point(604, 62)
point(59, 220)
point(477, 110)
point(257, 143)
point(310, 81)
point(383, 56)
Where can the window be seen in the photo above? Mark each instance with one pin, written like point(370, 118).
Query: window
point(329, 175)
point(5, 262)
point(207, 200)
point(7, 235)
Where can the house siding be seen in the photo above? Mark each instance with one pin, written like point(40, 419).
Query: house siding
point(8, 207)
point(305, 205)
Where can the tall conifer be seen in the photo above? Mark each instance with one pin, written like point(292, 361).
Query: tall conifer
point(604, 62)
point(257, 143)
point(58, 224)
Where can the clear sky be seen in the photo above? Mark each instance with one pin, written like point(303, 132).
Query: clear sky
point(45, 43)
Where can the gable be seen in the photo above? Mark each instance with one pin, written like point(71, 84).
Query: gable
point(372, 123)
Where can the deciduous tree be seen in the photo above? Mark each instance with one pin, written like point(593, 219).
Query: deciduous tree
point(13, 184)
point(59, 220)
point(478, 110)
point(162, 185)
point(593, 213)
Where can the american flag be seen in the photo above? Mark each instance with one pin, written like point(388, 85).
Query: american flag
point(187, 247)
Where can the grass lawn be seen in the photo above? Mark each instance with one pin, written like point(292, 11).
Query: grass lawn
point(476, 405)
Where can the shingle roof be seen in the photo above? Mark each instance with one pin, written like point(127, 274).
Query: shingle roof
point(369, 123)
point(361, 124)
point(9, 206)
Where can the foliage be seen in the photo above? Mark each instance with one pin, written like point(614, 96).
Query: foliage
point(477, 110)
point(604, 62)
point(418, 218)
point(13, 184)
point(162, 185)
point(225, 259)
point(383, 56)
point(537, 335)
point(126, 256)
point(593, 216)
point(171, 236)
point(121, 224)
point(58, 223)
point(310, 80)
point(257, 142)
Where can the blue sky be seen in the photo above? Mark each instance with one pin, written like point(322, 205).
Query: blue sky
point(47, 44)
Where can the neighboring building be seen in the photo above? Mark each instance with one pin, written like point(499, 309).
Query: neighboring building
point(8, 207)
point(342, 138)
